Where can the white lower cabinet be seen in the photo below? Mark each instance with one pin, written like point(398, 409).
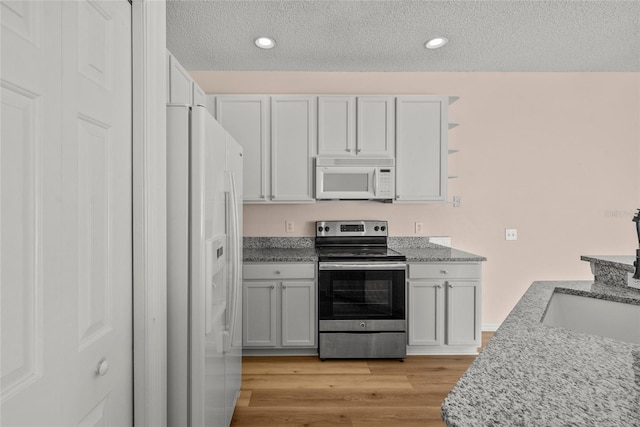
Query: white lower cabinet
point(279, 306)
point(444, 306)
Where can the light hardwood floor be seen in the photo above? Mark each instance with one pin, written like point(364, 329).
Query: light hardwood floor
point(304, 391)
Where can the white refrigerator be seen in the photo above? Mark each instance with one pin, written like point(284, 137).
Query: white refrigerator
point(204, 251)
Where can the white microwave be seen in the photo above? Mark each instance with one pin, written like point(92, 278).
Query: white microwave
point(355, 178)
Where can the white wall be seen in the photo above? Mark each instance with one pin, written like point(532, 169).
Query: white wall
point(555, 155)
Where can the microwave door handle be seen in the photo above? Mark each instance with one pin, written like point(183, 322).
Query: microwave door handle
point(375, 183)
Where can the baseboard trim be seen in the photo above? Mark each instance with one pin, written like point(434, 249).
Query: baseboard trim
point(490, 327)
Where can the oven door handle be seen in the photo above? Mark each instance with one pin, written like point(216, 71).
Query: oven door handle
point(361, 266)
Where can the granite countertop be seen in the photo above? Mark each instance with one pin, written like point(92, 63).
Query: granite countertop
point(438, 253)
point(279, 255)
point(301, 249)
point(622, 262)
point(531, 374)
point(279, 249)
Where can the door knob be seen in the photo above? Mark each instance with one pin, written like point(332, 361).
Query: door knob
point(103, 367)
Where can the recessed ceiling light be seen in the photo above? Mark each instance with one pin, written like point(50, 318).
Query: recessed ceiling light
point(265, 42)
point(436, 42)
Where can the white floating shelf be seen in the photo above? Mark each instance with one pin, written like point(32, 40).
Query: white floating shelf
point(453, 124)
point(453, 176)
point(453, 99)
point(452, 151)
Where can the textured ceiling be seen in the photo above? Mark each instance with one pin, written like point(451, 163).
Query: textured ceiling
point(389, 35)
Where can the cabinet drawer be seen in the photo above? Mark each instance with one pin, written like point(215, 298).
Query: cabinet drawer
point(279, 271)
point(445, 270)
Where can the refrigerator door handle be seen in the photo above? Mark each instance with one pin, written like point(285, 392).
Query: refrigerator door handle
point(234, 241)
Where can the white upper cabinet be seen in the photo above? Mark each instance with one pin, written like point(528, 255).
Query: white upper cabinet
point(421, 148)
point(246, 118)
point(180, 83)
point(336, 125)
point(375, 126)
point(198, 95)
point(181, 88)
point(282, 134)
point(278, 135)
point(355, 126)
point(293, 144)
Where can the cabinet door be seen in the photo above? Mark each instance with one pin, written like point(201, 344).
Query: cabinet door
point(463, 312)
point(259, 314)
point(426, 312)
point(336, 125)
point(375, 126)
point(246, 120)
point(293, 141)
point(179, 83)
point(198, 95)
point(421, 148)
point(298, 314)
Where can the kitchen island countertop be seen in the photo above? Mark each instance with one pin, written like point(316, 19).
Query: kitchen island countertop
point(531, 374)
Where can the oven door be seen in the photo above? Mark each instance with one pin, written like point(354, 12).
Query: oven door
point(350, 291)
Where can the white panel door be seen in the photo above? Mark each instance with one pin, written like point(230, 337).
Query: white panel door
point(246, 118)
point(66, 213)
point(298, 314)
point(96, 210)
point(293, 141)
point(375, 124)
point(259, 314)
point(30, 215)
point(421, 148)
point(426, 312)
point(336, 125)
point(463, 314)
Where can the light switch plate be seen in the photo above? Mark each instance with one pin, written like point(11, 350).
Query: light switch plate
point(288, 226)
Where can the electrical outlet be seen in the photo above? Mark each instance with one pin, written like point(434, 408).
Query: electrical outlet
point(457, 200)
point(510, 234)
point(288, 226)
point(419, 228)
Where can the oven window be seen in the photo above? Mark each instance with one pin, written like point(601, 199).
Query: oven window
point(361, 294)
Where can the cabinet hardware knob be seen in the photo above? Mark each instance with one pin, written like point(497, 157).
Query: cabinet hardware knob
point(273, 286)
point(284, 286)
point(439, 286)
point(103, 367)
point(444, 272)
point(348, 150)
point(358, 150)
point(362, 324)
point(277, 271)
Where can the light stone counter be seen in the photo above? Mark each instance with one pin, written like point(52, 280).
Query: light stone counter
point(531, 374)
point(302, 249)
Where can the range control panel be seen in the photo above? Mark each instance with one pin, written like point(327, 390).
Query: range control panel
point(351, 228)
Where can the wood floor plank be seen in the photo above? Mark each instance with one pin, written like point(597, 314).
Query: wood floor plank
point(306, 381)
point(290, 417)
point(346, 398)
point(301, 365)
point(304, 391)
point(389, 416)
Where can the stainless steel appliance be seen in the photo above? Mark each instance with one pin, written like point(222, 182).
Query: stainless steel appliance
point(204, 253)
point(361, 291)
point(355, 178)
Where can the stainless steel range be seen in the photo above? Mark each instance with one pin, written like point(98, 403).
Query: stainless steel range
point(361, 291)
